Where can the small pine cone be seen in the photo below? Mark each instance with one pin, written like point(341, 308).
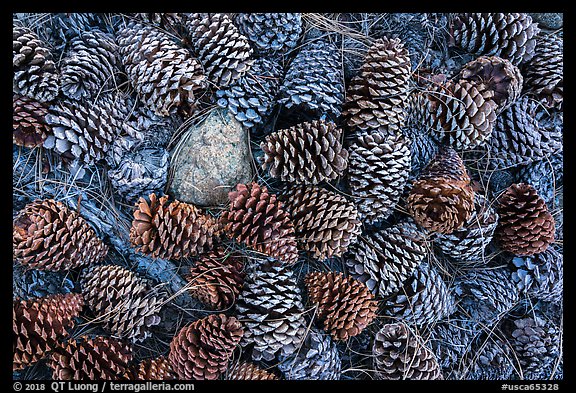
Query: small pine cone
point(158, 369)
point(251, 98)
point(28, 124)
point(313, 83)
point(345, 305)
point(201, 350)
point(270, 307)
point(451, 340)
point(308, 153)
point(96, 359)
point(424, 299)
point(495, 78)
point(164, 74)
point(38, 324)
point(122, 300)
point(47, 235)
point(245, 371)
point(377, 97)
point(224, 52)
point(400, 354)
point(541, 275)
point(172, 230)
point(384, 259)
point(525, 227)
point(379, 168)
point(257, 219)
point(35, 73)
point(459, 116)
point(271, 33)
point(216, 279)
point(491, 358)
point(511, 36)
point(441, 199)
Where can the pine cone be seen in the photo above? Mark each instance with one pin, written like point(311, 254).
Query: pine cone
point(47, 235)
point(251, 98)
point(39, 323)
point(525, 227)
point(491, 358)
point(308, 153)
point(400, 354)
point(270, 307)
point(172, 230)
point(345, 305)
point(376, 98)
point(270, 33)
point(99, 358)
point(201, 350)
point(164, 74)
point(217, 278)
point(546, 176)
point(59, 29)
point(224, 52)
point(257, 219)
point(451, 340)
point(245, 371)
point(386, 258)
point(35, 73)
point(423, 149)
point(511, 36)
point(379, 168)
point(158, 369)
point(28, 124)
point(441, 199)
point(326, 223)
point(167, 21)
point(541, 275)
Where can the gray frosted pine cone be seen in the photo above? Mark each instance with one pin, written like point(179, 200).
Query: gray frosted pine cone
point(541, 275)
point(490, 358)
point(546, 176)
point(270, 33)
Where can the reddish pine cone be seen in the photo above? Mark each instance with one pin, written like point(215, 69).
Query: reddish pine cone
point(29, 128)
point(38, 325)
point(525, 227)
point(345, 305)
point(172, 230)
point(48, 236)
point(202, 349)
point(249, 372)
point(257, 219)
point(158, 369)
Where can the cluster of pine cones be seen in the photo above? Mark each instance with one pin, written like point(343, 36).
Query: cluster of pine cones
point(405, 221)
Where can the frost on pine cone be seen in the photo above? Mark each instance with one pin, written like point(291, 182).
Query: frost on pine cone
point(158, 369)
point(377, 96)
point(490, 358)
point(386, 258)
point(47, 235)
point(326, 223)
point(345, 305)
point(39, 323)
point(245, 371)
point(122, 301)
point(400, 354)
point(258, 219)
point(35, 73)
point(29, 127)
point(378, 169)
point(172, 230)
point(525, 227)
point(546, 176)
point(540, 275)
point(451, 340)
point(201, 350)
point(511, 36)
point(270, 33)
point(308, 153)
point(270, 307)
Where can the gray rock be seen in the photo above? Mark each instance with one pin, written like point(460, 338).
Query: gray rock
point(209, 160)
point(551, 20)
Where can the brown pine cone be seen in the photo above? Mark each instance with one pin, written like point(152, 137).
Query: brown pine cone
point(345, 305)
point(525, 227)
point(48, 236)
point(309, 153)
point(202, 349)
point(172, 230)
point(29, 128)
point(158, 369)
point(249, 372)
point(38, 324)
point(257, 219)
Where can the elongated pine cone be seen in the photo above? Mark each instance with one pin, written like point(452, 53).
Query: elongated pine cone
point(400, 354)
point(257, 219)
point(270, 32)
point(308, 153)
point(158, 369)
point(345, 305)
point(245, 371)
point(201, 350)
point(39, 323)
point(95, 359)
point(172, 230)
point(326, 223)
point(378, 169)
point(540, 275)
point(47, 235)
point(526, 227)
point(29, 128)
point(377, 96)
point(442, 199)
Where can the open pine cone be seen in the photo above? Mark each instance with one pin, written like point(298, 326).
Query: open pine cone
point(158, 369)
point(270, 32)
point(245, 371)
point(29, 128)
point(540, 275)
